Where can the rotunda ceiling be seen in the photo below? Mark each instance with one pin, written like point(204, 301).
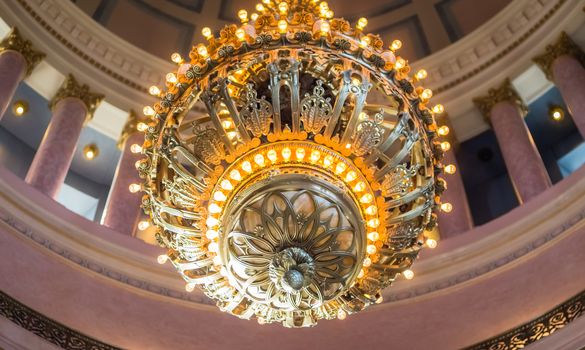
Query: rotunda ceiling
point(162, 27)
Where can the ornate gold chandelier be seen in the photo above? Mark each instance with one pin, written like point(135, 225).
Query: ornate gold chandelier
point(308, 184)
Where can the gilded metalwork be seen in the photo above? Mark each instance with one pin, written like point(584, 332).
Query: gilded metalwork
point(564, 46)
point(285, 209)
point(503, 93)
point(15, 42)
point(130, 127)
point(73, 89)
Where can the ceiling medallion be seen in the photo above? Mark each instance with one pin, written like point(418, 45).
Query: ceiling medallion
point(309, 184)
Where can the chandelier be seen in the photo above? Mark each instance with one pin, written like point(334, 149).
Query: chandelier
point(291, 167)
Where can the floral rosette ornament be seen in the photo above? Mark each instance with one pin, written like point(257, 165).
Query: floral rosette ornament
point(291, 165)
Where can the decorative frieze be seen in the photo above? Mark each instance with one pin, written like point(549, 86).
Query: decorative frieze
point(502, 93)
point(564, 46)
point(15, 42)
point(72, 88)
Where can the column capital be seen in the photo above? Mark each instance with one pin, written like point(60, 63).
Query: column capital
point(72, 88)
point(15, 42)
point(131, 127)
point(564, 46)
point(504, 92)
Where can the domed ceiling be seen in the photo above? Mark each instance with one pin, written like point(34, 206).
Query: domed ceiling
point(162, 27)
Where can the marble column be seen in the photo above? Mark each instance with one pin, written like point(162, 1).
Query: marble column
point(72, 106)
point(563, 63)
point(123, 210)
point(459, 220)
point(505, 110)
point(17, 60)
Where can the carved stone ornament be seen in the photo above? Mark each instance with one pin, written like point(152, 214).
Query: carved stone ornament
point(564, 46)
point(15, 42)
point(130, 127)
point(72, 88)
point(504, 92)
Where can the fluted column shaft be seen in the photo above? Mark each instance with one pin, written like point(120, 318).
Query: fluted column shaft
point(459, 220)
point(123, 210)
point(17, 60)
point(524, 164)
point(72, 106)
point(569, 77)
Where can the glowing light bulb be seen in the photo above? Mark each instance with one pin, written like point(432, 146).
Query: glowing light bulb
point(189, 287)
point(367, 262)
point(154, 90)
point(133, 188)
point(206, 32)
point(213, 247)
point(372, 210)
point(243, 15)
point(361, 274)
point(445, 146)
point(447, 207)
point(135, 148)
point(362, 23)
point(89, 154)
point(300, 153)
point(272, 156)
point(283, 7)
point(400, 63)
point(241, 34)
point(341, 315)
point(426, 94)
point(254, 16)
point(219, 196)
point(247, 166)
point(431, 243)
point(350, 176)
point(286, 153)
point(374, 223)
point(396, 45)
point(371, 249)
point(211, 222)
point(171, 78)
point(214, 208)
point(217, 260)
point(143, 225)
point(211, 234)
point(438, 109)
point(325, 28)
point(175, 57)
point(340, 168)
point(408, 274)
point(19, 108)
point(259, 159)
point(235, 175)
point(202, 51)
point(373, 236)
point(365, 41)
point(450, 169)
point(260, 8)
point(226, 185)
point(421, 74)
point(315, 155)
point(161, 259)
point(282, 25)
point(148, 111)
point(359, 187)
point(367, 198)
point(443, 130)
point(327, 161)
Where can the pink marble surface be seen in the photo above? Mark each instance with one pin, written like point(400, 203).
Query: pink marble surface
point(122, 211)
point(459, 220)
point(132, 319)
point(55, 153)
point(525, 167)
point(12, 70)
point(569, 77)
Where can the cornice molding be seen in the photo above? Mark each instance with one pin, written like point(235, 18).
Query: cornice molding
point(505, 92)
point(564, 46)
point(15, 42)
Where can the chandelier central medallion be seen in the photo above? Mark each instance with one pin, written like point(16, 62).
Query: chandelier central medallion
point(291, 168)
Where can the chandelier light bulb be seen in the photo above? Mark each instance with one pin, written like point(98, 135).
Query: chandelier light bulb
point(367, 198)
point(445, 146)
point(243, 15)
point(154, 90)
point(372, 210)
point(219, 196)
point(148, 111)
point(259, 160)
point(364, 42)
point(206, 32)
point(371, 249)
point(341, 315)
point(446, 207)
point(189, 287)
point(282, 25)
point(247, 166)
point(362, 23)
point(141, 127)
point(351, 175)
point(340, 168)
point(400, 63)
point(396, 45)
point(438, 109)
point(443, 130)
point(133, 188)
point(450, 169)
point(421, 74)
point(176, 57)
point(254, 16)
point(286, 153)
point(241, 34)
point(408, 274)
point(161, 259)
point(374, 223)
point(300, 154)
point(367, 262)
point(171, 78)
point(214, 208)
point(426, 94)
point(431, 243)
point(135, 148)
point(213, 247)
point(373, 236)
point(325, 28)
point(327, 161)
point(283, 7)
point(211, 234)
point(272, 156)
point(359, 187)
point(227, 185)
point(361, 274)
point(202, 51)
point(235, 175)
point(315, 155)
point(211, 222)
point(143, 225)
point(259, 7)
